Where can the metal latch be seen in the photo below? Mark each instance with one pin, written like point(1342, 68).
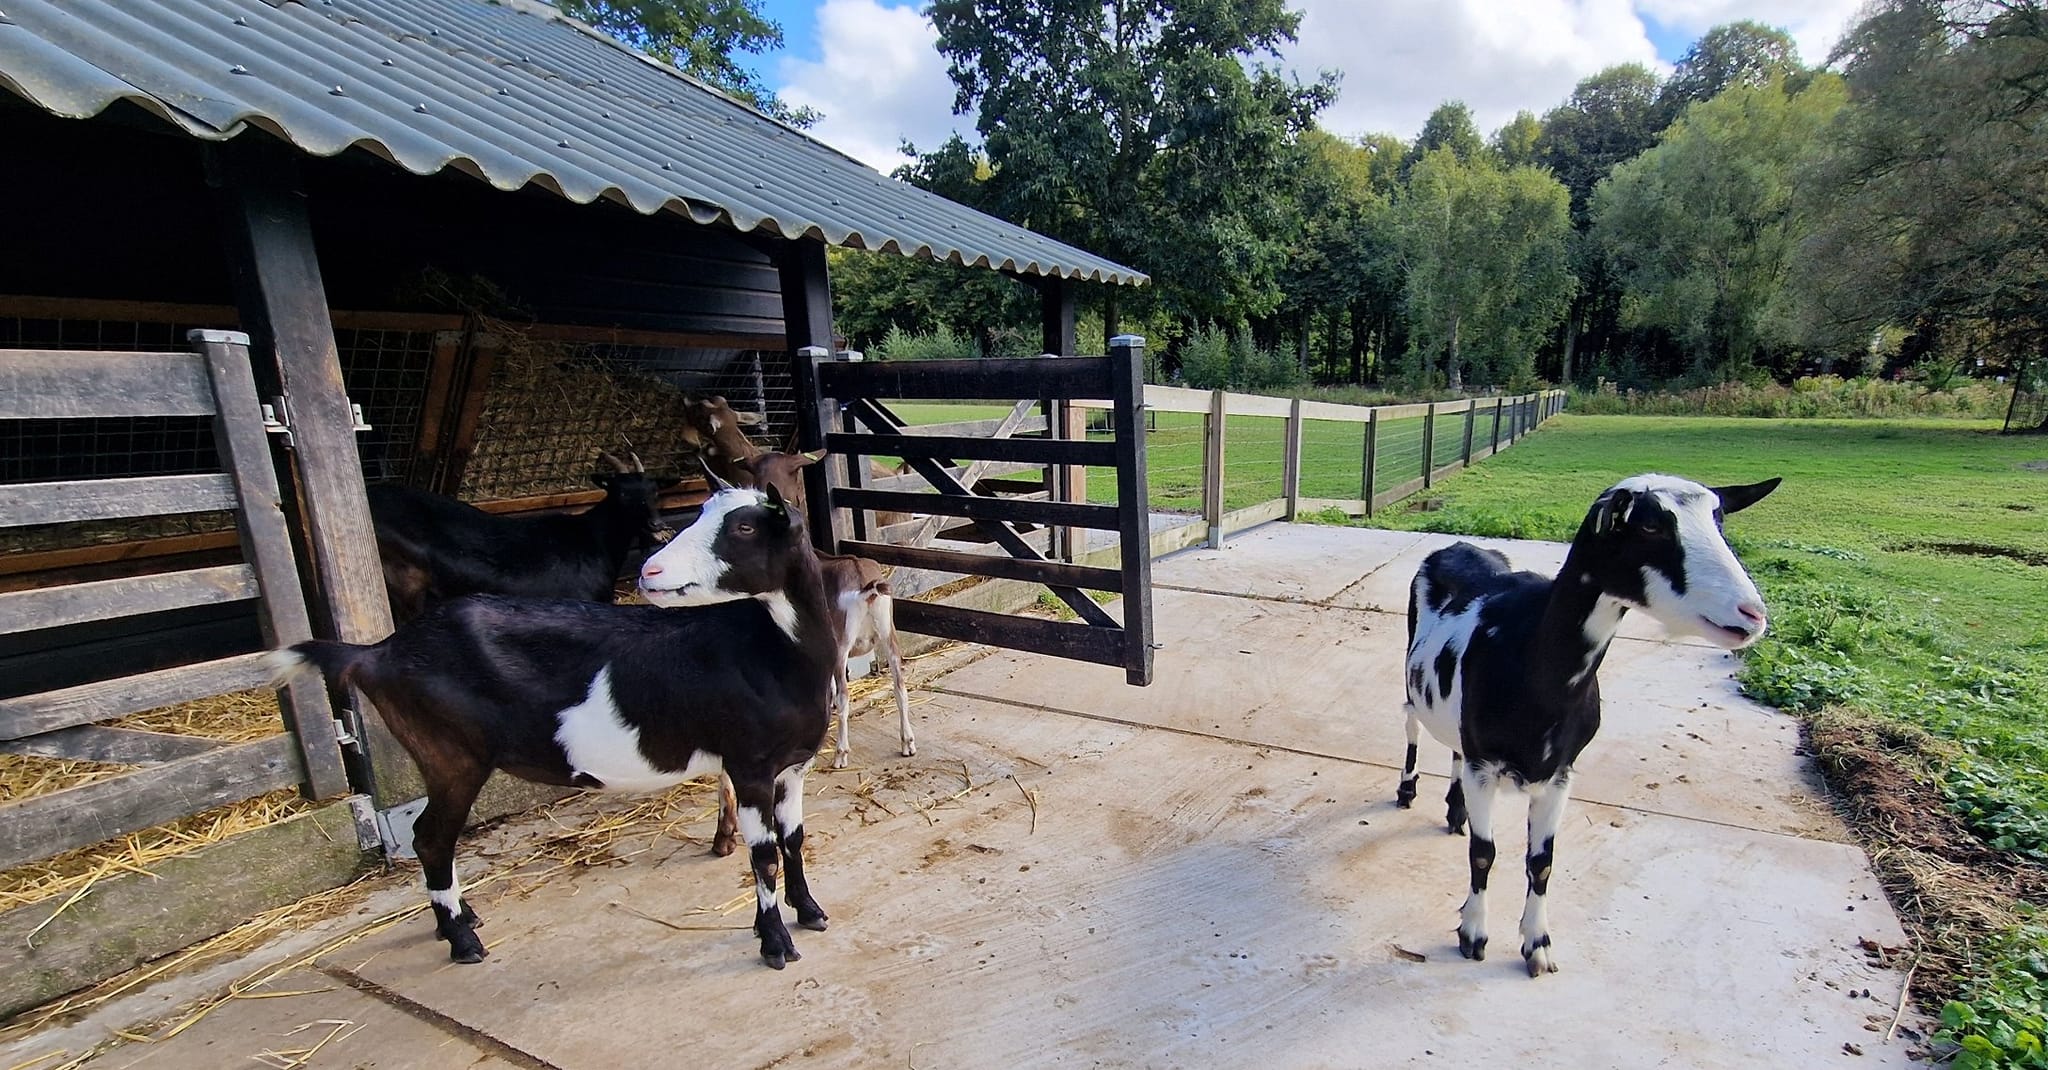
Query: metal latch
point(277, 418)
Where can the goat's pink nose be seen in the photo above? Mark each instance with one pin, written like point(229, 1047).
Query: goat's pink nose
point(1751, 612)
point(651, 570)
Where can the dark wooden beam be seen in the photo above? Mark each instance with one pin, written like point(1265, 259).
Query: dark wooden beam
point(807, 323)
point(1056, 317)
point(283, 305)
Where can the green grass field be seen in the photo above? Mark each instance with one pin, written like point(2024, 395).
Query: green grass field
point(1906, 568)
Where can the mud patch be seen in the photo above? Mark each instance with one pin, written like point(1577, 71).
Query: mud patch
point(2035, 466)
point(1976, 549)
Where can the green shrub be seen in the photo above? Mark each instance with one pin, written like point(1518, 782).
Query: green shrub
point(940, 343)
point(1808, 397)
point(1211, 359)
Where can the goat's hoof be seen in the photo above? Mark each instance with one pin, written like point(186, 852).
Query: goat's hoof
point(816, 925)
point(1536, 954)
point(774, 961)
point(1472, 947)
point(465, 948)
point(1456, 828)
point(839, 760)
point(469, 917)
point(910, 749)
point(778, 959)
point(1404, 804)
point(723, 845)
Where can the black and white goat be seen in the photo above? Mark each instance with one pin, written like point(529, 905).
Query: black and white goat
point(1503, 666)
point(434, 548)
point(622, 698)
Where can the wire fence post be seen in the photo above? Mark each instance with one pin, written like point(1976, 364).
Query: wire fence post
point(1428, 444)
point(1372, 444)
point(1290, 463)
point(1212, 469)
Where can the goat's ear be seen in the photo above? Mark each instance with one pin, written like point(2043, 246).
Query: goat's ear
point(1611, 509)
point(811, 458)
point(775, 499)
point(1736, 499)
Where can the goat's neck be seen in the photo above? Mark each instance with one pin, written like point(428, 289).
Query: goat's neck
point(618, 527)
point(1578, 624)
point(817, 625)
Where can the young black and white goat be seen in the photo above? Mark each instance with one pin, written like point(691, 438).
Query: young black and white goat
point(434, 548)
point(1503, 666)
point(622, 698)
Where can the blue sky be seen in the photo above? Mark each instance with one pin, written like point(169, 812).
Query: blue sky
point(870, 68)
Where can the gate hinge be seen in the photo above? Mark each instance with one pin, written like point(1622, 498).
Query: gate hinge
point(277, 418)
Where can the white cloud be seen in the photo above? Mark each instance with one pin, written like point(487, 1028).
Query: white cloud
point(879, 79)
point(1814, 24)
point(1401, 60)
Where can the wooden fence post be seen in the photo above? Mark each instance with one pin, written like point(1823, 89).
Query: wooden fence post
point(1372, 449)
point(1212, 469)
point(1134, 511)
point(1291, 462)
point(1429, 444)
point(1471, 416)
point(1494, 447)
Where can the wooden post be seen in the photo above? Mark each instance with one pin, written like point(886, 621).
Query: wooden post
point(1133, 502)
point(283, 306)
point(1063, 483)
point(266, 543)
point(1429, 444)
point(1372, 449)
point(1291, 463)
point(1471, 416)
point(1496, 426)
point(1212, 469)
point(472, 388)
point(807, 322)
point(427, 446)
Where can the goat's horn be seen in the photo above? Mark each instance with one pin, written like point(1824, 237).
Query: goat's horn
point(716, 483)
point(637, 466)
point(606, 456)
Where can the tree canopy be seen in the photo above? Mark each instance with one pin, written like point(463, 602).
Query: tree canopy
point(700, 37)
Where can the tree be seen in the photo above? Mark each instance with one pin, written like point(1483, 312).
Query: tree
point(1145, 130)
point(1341, 262)
point(1732, 54)
point(1515, 143)
point(1931, 201)
point(1610, 117)
point(1485, 253)
point(1448, 127)
point(699, 37)
point(1700, 230)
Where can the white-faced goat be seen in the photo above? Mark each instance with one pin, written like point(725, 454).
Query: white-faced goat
point(622, 698)
point(1503, 666)
point(434, 548)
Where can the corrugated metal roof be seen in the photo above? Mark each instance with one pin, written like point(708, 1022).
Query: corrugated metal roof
point(511, 92)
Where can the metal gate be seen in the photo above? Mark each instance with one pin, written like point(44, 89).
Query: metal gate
point(176, 775)
point(845, 414)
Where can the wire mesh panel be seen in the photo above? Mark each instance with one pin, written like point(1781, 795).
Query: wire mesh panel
point(1332, 459)
point(553, 403)
point(1449, 441)
point(2029, 410)
point(1399, 456)
point(1254, 460)
point(1173, 464)
point(385, 372)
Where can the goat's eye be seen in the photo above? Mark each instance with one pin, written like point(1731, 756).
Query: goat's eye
point(743, 529)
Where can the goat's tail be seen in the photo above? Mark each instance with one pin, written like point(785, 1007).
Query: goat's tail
point(332, 660)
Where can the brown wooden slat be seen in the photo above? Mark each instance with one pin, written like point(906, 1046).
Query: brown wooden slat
point(978, 428)
point(1060, 639)
point(914, 482)
point(950, 447)
point(25, 566)
point(118, 746)
point(47, 824)
point(1008, 568)
point(1004, 428)
point(78, 603)
point(112, 499)
point(976, 507)
point(29, 715)
point(992, 379)
point(52, 384)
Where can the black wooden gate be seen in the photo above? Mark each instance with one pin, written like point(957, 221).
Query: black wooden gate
point(853, 392)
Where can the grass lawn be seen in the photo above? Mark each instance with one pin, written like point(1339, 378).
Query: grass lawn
point(1906, 568)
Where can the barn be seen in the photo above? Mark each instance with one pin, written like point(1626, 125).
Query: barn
point(262, 253)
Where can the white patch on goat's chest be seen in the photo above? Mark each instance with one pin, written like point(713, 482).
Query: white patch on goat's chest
point(1438, 709)
point(1599, 630)
point(599, 743)
point(781, 611)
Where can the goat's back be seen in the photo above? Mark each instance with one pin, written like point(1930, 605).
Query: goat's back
point(462, 550)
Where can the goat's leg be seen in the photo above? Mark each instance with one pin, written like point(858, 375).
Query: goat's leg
point(884, 616)
point(1404, 797)
point(756, 795)
point(840, 692)
point(1454, 799)
point(1481, 788)
point(1546, 813)
point(789, 829)
point(450, 793)
point(723, 841)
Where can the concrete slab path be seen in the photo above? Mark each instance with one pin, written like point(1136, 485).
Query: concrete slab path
point(1207, 872)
